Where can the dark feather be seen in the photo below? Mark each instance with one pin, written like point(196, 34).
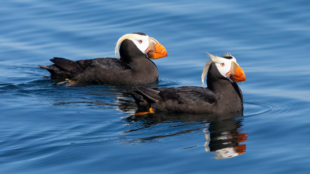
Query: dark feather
point(66, 64)
point(149, 93)
point(56, 72)
point(108, 63)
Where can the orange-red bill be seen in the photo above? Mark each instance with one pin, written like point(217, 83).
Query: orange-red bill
point(157, 51)
point(238, 75)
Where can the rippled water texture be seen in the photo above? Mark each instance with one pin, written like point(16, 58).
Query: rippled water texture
point(47, 128)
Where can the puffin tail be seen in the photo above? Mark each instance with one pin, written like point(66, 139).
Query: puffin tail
point(62, 68)
point(144, 97)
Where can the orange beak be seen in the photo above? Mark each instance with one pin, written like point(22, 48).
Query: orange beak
point(156, 50)
point(238, 75)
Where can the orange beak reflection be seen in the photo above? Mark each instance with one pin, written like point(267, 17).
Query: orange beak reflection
point(237, 74)
point(157, 50)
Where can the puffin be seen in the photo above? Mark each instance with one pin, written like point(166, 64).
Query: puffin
point(221, 96)
point(134, 67)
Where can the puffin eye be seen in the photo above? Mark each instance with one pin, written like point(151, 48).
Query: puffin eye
point(140, 41)
point(222, 64)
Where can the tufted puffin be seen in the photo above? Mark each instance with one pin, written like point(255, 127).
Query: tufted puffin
point(221, 96)
point(133, 68)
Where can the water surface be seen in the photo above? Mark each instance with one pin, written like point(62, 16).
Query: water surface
point(47, 128)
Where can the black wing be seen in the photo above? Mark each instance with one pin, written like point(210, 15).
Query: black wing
point(65, 68)
point(106, 63)
point(188, 94)
point(182, 95)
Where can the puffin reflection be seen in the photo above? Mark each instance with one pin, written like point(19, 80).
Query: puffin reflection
point(224, 138)
point(223, 132)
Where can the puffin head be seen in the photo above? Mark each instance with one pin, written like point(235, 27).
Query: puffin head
point(227, 66)
point(137, 43)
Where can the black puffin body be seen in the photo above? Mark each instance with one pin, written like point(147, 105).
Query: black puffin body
point(221, 96)
point(133, 68)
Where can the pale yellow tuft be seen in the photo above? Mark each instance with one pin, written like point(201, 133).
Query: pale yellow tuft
point(206, 68)
point(120, 40)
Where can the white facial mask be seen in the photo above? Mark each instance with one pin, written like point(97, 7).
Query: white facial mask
point(142, 43)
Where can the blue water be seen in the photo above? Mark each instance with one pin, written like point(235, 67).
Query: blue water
point(57, 129)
